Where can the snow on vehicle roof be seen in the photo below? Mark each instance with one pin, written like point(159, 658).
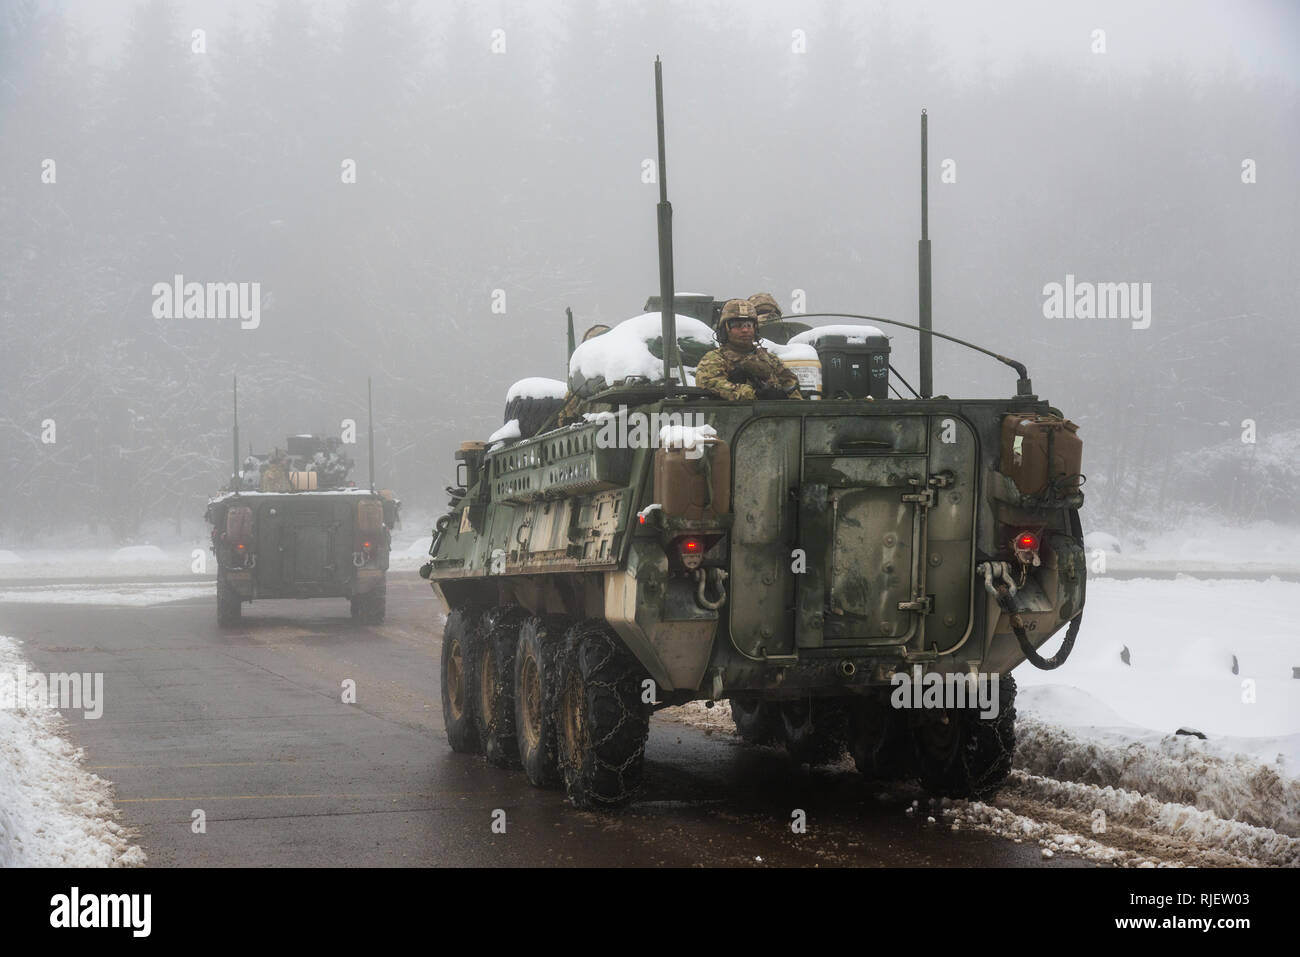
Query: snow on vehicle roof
point(852, 333)
point(622, 351)
point(537, 387)
point(506, 433)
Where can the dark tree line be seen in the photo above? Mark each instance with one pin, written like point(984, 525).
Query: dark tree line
point(520, 171)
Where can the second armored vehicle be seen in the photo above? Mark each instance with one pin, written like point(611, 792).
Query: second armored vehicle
point(292, 525)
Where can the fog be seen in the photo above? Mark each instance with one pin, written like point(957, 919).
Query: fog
point(418, 190)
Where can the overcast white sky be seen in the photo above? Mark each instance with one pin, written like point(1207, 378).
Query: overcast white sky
point(1257, 36)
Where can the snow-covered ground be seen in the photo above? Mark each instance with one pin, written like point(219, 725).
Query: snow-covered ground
point(1183, 637)
point(1202, 545)
point(144, 561)
point(53, 812)
point(133, 594)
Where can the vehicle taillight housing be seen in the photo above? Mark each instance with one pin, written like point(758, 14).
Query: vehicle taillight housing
point(691, 549)
point(239, 526)
point(1025, 547)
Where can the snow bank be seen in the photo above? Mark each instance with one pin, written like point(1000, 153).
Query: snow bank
point(9, 558)
point(1173, 769)
point(133, 594)
point(854, 334)
point(139, 553)
point(53, 812)
point(537, 388)
point(97, 562)
point(1137, 829)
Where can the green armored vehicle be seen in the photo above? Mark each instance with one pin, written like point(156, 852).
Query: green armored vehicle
point(845, 570)
point(291, 525)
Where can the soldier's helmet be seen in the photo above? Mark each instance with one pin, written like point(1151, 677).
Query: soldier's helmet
point(766, 308)
point(734, 309)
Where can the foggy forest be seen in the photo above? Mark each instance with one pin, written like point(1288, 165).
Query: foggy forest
point(420, 189)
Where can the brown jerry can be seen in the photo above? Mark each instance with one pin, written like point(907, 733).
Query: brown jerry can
point(690, 488)
point(1041, 451)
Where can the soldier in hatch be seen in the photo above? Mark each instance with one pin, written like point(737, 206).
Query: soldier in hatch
point(766, 309)
point(739, 368)
point(275, 474)
point(771, 324)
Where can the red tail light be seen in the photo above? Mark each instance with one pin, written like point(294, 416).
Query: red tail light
point(692, 551)
point(1025, 546)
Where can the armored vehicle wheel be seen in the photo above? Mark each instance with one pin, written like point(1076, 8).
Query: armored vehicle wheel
point(370, 608)
point(457, 680)
point(494, 684)
point(961, 755)
point(601, 722)
point(878, 739)
point(757, 721)
point(535, 683)
point(229, 606)
point(815, 730)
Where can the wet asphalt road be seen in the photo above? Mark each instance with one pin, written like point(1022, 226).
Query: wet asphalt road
point(249, 726)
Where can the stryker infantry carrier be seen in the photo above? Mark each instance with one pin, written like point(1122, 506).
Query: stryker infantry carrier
point(807, 560)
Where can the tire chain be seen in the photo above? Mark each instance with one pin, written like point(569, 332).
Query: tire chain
point(497, 732)
point(633, 721)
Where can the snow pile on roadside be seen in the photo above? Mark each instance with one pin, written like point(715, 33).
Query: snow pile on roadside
point(48, 563)
point(1176, 771)
point(133, 594)
point(53, 812)
point(1049, 834)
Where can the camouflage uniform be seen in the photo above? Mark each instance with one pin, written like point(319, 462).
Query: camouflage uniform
point(275, 474)
point(755, 367)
